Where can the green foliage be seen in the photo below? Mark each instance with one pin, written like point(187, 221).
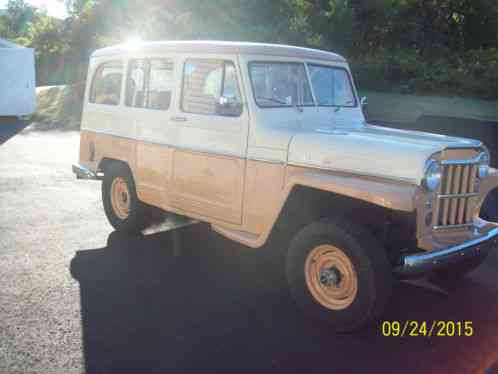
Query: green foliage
point(415, 46)
point(473, 73)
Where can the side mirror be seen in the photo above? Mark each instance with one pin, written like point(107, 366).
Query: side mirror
point(364, 101)
point(228, 106)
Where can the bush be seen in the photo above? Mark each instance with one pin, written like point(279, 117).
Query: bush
point(472, 74)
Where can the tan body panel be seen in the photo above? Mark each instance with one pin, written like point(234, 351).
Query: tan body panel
point(265, 201)
point(106, 146)
point(210, 185)
point(204, 186)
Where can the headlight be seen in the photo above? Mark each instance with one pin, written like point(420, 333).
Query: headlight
point(432, 175)
point(483, 165)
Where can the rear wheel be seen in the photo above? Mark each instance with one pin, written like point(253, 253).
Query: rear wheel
point(123, 209)
point(339, 274)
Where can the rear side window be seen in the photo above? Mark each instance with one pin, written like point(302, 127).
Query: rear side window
point(160, 84)
point(205, 82)
point(149, 84)
point(106, 84)
point(135, 88)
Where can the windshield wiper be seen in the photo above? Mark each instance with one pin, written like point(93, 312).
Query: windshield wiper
point(273, 99)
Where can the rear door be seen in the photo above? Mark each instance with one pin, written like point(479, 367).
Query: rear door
point(148, 102)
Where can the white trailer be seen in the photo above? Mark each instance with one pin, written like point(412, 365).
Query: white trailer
point(17, 80)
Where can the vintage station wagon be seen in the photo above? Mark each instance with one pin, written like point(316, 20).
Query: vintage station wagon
point(253, 138)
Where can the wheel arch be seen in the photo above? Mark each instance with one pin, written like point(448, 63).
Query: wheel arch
point(106, 162)
point(305, 204)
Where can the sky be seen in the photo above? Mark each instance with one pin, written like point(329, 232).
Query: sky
point(55, 8)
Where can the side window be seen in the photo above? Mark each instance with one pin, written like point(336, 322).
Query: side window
point(135, 86)
point(210, 87)
point(149, 84)
point(106, 84)
point(160, 84)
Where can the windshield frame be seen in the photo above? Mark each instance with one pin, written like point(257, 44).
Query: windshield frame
point(306, 65)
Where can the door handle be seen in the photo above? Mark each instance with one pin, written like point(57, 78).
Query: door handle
point(179, 119)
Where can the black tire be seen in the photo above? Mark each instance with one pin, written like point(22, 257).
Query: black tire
point(369, 261)
point(489, 209)
point(139, 215)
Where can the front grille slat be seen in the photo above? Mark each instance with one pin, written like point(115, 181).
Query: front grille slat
point(454, 201)
point(462, 202)
point(455, 189)
point(448, 182)
point(471, 187)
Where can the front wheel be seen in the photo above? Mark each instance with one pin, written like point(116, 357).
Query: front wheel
point(339, 274)
point(122, 207)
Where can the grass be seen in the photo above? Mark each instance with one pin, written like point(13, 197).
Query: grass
point(391, 107)
point(60, 107)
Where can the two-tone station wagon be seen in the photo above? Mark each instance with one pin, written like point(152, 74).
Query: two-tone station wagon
point(251, 138)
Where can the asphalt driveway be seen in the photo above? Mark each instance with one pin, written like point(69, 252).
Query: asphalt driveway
point(77, 297)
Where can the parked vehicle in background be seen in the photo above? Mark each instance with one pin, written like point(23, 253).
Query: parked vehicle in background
point(252, 138)
point(17, 83)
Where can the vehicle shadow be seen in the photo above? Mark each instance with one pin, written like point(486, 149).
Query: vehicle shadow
point(220, 306)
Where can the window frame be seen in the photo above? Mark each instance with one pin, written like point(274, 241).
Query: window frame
point(353, 88)
point(148, 60)
point(222, 86)
point(92, 97)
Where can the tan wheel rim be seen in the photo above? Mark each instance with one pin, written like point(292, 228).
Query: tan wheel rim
point(120, 198)
point(330, 277)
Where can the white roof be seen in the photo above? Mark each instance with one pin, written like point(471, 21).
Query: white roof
point(208, 46)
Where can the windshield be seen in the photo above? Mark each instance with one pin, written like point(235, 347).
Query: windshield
point(278, 84)
point(331, 86)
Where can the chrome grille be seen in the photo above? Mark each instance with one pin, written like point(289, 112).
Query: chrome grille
point(454, 201)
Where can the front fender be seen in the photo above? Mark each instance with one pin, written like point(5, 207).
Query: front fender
point(386, 193)
point(389, 194)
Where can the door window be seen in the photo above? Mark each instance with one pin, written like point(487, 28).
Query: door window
point(210, 87)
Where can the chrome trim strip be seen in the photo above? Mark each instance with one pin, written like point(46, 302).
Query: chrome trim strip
point(448, 196)
point(262, 159)
point(186, 148)
point(423, 262)
point(460, 162)
point(360, 174)
point(460, 146)
point(203, 150)
point(450, 227)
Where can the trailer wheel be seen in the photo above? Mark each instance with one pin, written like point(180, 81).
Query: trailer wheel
point(339, 274)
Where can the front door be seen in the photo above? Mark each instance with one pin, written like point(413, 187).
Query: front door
point(209, 157)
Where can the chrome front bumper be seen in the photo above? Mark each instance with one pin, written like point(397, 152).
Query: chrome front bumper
point(83, 172)
point(419, 263)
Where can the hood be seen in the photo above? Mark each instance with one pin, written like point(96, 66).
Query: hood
point(372, 150)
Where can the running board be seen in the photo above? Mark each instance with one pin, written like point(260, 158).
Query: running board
point(170, 222)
